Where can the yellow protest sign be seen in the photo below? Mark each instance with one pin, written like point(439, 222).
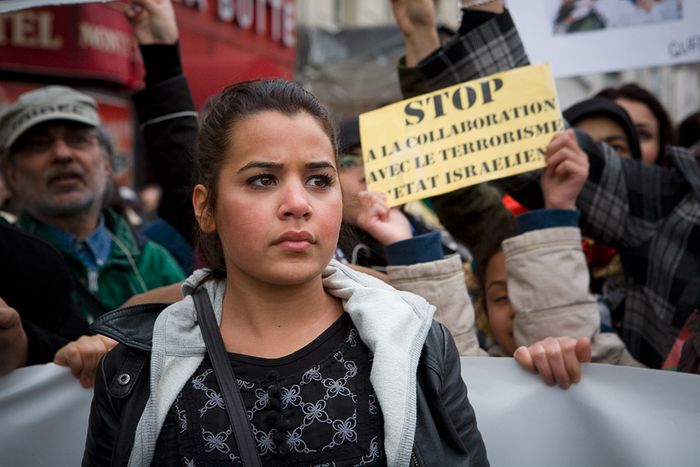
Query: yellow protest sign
point(479, 130)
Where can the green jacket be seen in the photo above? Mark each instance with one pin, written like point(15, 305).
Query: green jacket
point(133, 267)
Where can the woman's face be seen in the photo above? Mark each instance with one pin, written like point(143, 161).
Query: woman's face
point(352, 179)
point(498, 305)
point(606, 130)
point(279, 204)
point(647, 128)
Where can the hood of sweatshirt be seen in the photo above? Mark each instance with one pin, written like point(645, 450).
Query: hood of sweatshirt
point(392, 324)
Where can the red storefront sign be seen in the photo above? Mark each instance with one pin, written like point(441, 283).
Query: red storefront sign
point(225, 41)
point(83, 41)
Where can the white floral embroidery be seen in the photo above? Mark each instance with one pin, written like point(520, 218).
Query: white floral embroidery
point(214, 400)
point(291, 396)
point(344, 431)
point(373, 454)
point(217, 441)
point(324, 416)
point(312, 374)
point(266, 441)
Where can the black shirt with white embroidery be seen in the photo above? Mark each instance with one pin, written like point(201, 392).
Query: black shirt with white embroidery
point(315, 407)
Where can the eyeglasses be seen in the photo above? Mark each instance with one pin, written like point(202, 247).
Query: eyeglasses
point(38, 144)
point(349, 161)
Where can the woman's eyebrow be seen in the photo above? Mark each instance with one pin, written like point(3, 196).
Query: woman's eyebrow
point(503, 283)
point(261, 165)
point(319, 165)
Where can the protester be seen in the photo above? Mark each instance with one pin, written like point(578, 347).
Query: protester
point(59, 172)
point(269, 144)
point(358, 246)
point(536, 285)
point(649, 213)
point(654, 126)
point(606, 122)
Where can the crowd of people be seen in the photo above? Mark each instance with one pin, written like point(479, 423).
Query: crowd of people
point(282, 314)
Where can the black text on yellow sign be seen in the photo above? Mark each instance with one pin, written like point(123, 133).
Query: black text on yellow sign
point(465, 134)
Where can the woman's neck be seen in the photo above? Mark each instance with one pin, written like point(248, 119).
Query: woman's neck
point(273, 321)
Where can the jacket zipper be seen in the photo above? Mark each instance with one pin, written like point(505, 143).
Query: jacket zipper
point(414, 459)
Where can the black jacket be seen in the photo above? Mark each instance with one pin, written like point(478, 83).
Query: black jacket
point(446, 431)
point(35, 281)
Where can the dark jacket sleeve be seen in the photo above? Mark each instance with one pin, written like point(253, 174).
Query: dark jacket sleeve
point(121, 393)
point(446, 419)
point(102, 424)
point(169, 123)
point(42, 344)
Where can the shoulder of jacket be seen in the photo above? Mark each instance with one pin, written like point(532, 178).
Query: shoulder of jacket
point(122, 368)
point(435, 346)
point(131, 326)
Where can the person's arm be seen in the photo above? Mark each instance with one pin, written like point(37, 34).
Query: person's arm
point(165, 110)
point(548, 278)
point(416, 264)
point(487, 43)
point(470, 213)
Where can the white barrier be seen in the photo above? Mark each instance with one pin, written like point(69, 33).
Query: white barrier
point(616, 416)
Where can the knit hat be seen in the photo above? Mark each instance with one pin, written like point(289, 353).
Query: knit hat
point(600, 107)
point(349, 134)
point(42, 105)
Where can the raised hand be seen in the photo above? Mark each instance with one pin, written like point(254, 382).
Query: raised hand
point(416, 20)
point(386, 225)
point(153, 21)
point(566, 171)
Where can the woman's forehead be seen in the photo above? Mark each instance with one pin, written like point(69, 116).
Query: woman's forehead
point(275, 136)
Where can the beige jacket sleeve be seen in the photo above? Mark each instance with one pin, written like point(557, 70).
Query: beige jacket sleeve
point(441, 283)
point(548, 288)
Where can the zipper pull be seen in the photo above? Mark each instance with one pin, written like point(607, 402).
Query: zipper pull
point(93, 277)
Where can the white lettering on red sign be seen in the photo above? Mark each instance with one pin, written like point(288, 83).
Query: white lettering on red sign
point(33, 29)
point(249, 14)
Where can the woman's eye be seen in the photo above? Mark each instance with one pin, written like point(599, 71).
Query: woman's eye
point(622, 150)
point(262, 180)
point(644, 136)
point(320, 181)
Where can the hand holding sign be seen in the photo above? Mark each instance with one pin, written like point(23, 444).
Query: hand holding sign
point(566, 172)
point(387, 225)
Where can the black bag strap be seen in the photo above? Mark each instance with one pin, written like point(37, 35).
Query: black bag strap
point(226, 379)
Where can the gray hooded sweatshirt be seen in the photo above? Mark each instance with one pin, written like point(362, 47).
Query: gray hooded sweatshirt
point(391, 323)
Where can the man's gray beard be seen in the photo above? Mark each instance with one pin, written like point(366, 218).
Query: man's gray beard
point(47, 209)
point(77, 208)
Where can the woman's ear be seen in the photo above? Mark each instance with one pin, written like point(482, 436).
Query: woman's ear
point(202, 212)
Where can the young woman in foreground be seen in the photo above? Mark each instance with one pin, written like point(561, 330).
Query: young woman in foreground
point(334, 367)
